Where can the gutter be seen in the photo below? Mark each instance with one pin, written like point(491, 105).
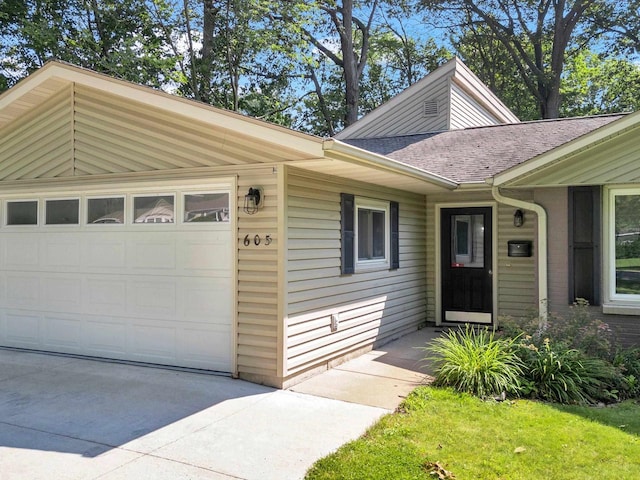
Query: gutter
point(543, 280)
point(365, 157)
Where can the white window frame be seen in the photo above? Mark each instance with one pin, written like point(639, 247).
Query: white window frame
point(615, 303)
point(45, 207)
point(375, 263)
point(19, 200)
point(100, 197)
point(183, 204)
point(176, 208)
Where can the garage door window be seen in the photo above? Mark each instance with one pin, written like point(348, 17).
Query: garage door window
point(108, 210)
point(206, 207)
point(156, 209)
point(62, 212)
point(22, 212)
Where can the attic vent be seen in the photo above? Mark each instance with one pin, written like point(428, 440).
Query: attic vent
point(430, 108)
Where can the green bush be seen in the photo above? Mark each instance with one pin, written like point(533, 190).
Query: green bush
point(555, 372)
point(475, 362)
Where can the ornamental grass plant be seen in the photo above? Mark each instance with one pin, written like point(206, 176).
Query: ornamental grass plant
point(474, 361)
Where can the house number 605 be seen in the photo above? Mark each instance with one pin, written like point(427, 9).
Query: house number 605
point(257, 240)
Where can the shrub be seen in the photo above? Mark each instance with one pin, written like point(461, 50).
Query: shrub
point(555, 372)
point(475, 362)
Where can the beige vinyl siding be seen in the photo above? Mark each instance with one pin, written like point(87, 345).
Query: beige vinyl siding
point(39, 145)
point(373, 306)
point(258, 279)
point(408, 117)
point(466, 112)
point(116, 135)
point(516, 282)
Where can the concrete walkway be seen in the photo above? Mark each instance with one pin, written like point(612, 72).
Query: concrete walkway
point(68, 418)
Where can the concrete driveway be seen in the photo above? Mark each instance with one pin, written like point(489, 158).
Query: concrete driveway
point(69, 418)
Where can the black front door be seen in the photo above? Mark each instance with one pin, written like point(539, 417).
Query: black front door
point(467, 294)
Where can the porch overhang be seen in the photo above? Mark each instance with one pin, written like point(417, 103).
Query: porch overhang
point(608, 155)
point(344, 160)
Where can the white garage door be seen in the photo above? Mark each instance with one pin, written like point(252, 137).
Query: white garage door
point(144, 277)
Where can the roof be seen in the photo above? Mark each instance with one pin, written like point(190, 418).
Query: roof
point(475, 154)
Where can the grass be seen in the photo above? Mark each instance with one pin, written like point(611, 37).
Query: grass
point(474, 439)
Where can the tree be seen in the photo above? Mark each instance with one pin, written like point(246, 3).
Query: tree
point(115, 37)
point(597, 85)
point(537, 34)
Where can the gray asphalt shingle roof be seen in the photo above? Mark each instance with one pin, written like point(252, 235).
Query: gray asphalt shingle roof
point(474, 154)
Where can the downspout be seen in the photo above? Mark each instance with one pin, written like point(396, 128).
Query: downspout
point(543, 281)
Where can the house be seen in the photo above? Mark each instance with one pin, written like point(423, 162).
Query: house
point(272, 254)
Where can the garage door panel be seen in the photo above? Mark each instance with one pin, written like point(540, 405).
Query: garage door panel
point(21, 290)
point(198, 256)
point(152, 297)
point(154, 342)
point(206, 299)
point(61, 251)
point(106, 295)
point(105, 252)
point(61, 293)
point(22, 329)
point(21, 251)
point(152, 253)
point(198, 343)
point(104, 336)
point(62, 333)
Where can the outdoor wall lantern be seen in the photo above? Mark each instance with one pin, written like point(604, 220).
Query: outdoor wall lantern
point(252, 200)
point(518, 218)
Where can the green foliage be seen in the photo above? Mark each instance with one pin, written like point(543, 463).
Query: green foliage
point(573, 360)
point(559, 374)
point(473, 361)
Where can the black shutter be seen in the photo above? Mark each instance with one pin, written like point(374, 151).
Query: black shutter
point(395, 237)
point(347, 220)
point(584, 244)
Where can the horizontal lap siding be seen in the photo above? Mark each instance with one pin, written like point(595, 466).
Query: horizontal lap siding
point(466, 112)
point(373, 306)
point(517, 290)
point(258, 278)
point(40, 144)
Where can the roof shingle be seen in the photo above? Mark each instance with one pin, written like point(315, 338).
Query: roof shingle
point(474, 154)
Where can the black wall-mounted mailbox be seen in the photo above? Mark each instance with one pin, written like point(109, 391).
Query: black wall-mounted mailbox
point(519, 248)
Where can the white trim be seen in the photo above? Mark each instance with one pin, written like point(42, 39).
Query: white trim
point(615, 303)
point(5, 210)
point(494, 254)
point(468, 317)
point(375, 263)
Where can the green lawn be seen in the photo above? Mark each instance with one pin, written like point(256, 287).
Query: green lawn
point(474, 440)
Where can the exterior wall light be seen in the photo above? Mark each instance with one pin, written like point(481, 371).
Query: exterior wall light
point(518, 218)
point(253, 200)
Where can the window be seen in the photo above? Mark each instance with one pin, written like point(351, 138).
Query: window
point(108, 210)
point(369, 231)
point(372, 233)
point(62, 212)
point(624, 245)
point(206, 207)
point(153, 209)
point(467, 237)
point(24, 212)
